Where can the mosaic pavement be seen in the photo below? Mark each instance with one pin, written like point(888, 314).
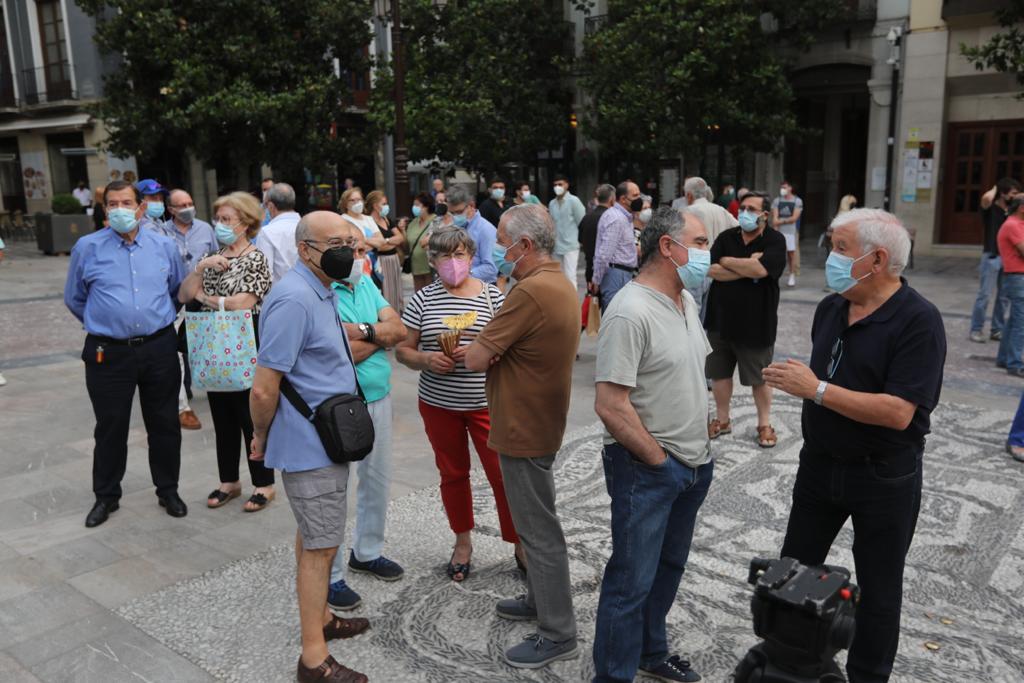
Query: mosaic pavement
point(966, 566)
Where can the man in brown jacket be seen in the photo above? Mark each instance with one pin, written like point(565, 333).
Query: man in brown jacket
point(528, 352)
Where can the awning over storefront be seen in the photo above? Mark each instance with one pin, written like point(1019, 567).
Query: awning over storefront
point(71, 121)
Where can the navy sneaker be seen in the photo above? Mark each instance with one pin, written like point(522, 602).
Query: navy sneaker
point(673, 670)
point(382, 568)
point(341, 597)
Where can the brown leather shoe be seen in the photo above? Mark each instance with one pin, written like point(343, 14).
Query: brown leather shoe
point(189, 420)
point(329, 672)
point(345, 628)
point(717, 428)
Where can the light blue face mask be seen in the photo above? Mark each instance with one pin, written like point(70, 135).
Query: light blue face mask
point(497, 194)
point(385, 210)
point(839, 271)
point(416, 210)
point(122, 220)
point(748, 221)
point(460, 220)
point(225, 235)
point(155, 209)
point(696, 269)
point(504, 267)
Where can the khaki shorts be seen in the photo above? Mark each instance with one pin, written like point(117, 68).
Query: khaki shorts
point(319, 502)
point(725, 356)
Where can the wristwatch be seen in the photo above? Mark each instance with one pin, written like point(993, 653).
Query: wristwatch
point(366, 330)
point(819, 395)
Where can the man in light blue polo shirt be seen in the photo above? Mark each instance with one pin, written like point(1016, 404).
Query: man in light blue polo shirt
point(371, 326)
point(463, 213)
point(302, 339)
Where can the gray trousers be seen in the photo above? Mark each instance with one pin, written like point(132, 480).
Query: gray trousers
point(530, 490)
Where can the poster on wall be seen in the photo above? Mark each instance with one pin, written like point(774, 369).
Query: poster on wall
point(909, 187)
point(33, 175)
point(122, 169)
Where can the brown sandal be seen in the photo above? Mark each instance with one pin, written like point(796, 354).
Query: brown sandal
point(221, 498)
point(717, 428)
point(766, 437)
point(345, 628)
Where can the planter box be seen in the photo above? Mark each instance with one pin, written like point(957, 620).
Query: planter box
point(57, 233)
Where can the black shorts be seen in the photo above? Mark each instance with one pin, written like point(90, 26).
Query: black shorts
point(725, 356)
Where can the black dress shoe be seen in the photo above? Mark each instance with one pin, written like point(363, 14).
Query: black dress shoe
point(175, 505)
point(99, 513)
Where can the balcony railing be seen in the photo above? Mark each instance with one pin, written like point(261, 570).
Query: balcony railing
point(594, 24)
point(46, 84)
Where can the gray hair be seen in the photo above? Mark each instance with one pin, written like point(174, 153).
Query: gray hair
point(877, 229)
point(303, 230)
point(709, 194)
point(282, 195)
point(458, 194)
point(446, 240)
point(695, 186)
point(664, 221)
point(603, 193)
point(533, 222)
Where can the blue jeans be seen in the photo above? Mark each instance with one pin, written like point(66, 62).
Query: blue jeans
point(989, 277)
point(653, 514)
point(614, 279)
point(371, 493)
point(1016, 437)
point(1011, 348)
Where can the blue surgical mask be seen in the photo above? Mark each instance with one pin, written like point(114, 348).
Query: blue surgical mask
point(122, 220)
point(696, 269)
point(839, 271)
point(385, 210)
point(748, 221)
point(155, 209)
point(460, 220)
point(225, 235)
point(416, 210)
point(497, 194)
point(504, 267)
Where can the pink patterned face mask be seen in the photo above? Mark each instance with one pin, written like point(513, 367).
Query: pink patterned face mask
point(453, 271)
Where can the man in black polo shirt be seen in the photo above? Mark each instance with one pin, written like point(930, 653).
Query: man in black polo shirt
point(742, 314)
point(994, 210)
point(875, 376)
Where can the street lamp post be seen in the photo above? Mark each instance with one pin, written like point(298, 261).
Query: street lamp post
point(401, 159)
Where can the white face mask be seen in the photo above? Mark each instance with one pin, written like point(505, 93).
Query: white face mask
point(357, 207)
point(645, 215)
point(559, 190)
point(784, 191)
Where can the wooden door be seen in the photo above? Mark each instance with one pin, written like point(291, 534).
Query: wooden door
point(978, 155)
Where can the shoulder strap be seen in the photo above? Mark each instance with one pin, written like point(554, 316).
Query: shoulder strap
point(300, 405)
point(490, 304)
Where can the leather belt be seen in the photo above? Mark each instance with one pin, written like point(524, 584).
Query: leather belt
point(133, 341)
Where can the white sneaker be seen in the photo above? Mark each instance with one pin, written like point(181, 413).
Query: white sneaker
point(792, 280)
point(2, 381)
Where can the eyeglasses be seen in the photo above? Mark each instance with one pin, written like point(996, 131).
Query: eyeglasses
point(748, 209)
point(332, 244)
point(837, 355)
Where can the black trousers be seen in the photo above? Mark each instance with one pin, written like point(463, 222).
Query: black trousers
point(883, 498)
point(233, 423)
point(153, 369)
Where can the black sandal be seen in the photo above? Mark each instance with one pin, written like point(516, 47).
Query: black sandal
point(222, 497)
point(454, 569)
point(259, 500)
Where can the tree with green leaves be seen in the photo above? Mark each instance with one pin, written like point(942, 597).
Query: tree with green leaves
point(237, 82)
point(485, 81)
point(1005, 50)
point(665, 76)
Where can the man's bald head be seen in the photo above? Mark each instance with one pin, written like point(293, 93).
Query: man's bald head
point(320, 226)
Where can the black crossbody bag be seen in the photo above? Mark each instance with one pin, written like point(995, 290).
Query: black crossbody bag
point(342, 421)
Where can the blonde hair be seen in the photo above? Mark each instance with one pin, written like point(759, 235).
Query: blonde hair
point(247, 207)
point(846, 203)
point(372, 200)
point(346, 195)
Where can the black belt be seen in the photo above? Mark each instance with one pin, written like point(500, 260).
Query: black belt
point(132, 341)
point(619, 266)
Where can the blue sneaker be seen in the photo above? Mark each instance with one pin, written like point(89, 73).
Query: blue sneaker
point(673, 670)
point(536, 651)
point(341, 597)
point(382, 568)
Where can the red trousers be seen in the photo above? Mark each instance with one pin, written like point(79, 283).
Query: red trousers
point(449, 432)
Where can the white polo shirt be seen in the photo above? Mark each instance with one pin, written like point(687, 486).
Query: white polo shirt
point(277, 242)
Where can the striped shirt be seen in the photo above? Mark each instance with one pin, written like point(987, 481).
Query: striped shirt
point(459, 389)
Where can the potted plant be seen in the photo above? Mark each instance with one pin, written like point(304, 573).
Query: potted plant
point(57, 232)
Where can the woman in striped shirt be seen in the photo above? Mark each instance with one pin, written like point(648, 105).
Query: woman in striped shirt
point(452, 401)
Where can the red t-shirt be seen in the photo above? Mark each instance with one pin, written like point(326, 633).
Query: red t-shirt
point(1010, 235)
point(734, 208)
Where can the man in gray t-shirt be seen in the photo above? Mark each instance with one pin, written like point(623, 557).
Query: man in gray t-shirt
point(652, 398)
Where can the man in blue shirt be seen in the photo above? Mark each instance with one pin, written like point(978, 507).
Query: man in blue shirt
point(152, 203)
point(302, 339)
point(196, 240)
point(371, 326)
point(462, 212)
point(122, 284)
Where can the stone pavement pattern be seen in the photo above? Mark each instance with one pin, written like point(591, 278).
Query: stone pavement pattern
point(109, 604)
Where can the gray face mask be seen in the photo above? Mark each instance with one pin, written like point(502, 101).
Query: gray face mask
point(186, 215)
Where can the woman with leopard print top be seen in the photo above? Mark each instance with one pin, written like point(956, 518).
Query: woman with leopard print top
point(239, 277)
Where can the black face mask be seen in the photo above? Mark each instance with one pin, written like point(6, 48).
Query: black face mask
point(336, 262)
point(637, 205)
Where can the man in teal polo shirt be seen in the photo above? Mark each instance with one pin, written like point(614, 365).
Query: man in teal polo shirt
point(372, 326)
